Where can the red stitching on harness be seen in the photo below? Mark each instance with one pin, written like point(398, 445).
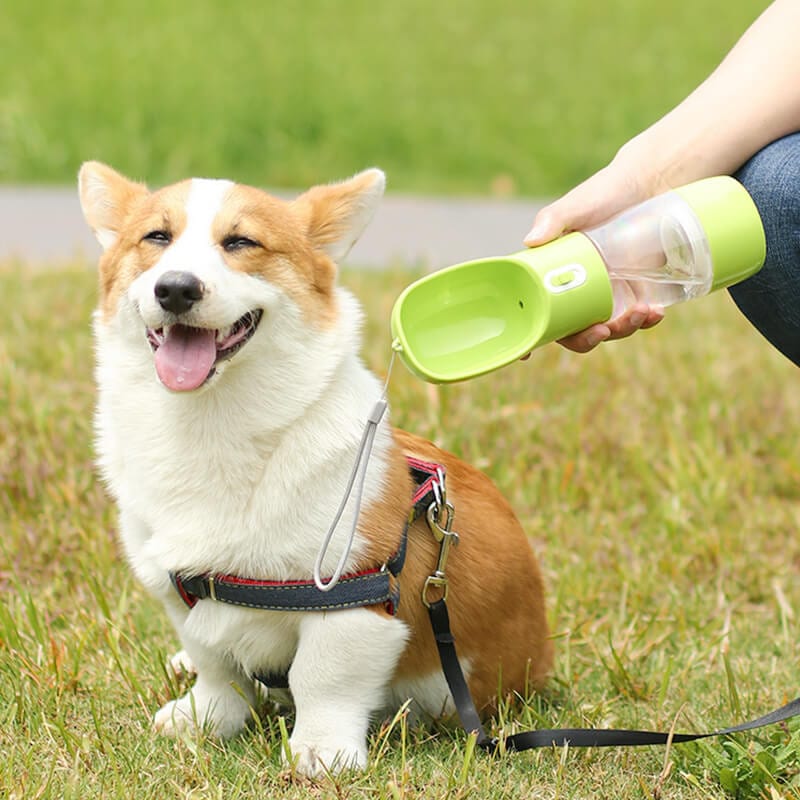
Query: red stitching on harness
point(431, 468)
point(256, 582)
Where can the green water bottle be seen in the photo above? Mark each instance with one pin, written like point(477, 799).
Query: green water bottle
point(472, 318)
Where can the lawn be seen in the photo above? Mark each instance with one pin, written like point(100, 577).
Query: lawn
point(658, 479)
point(473, 97)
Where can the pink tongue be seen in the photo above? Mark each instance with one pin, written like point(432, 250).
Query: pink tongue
point(186, 357)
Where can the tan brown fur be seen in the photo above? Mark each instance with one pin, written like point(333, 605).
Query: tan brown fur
point(293, 234)
point(290, 258)
point(136, 214)
point(327, 209)
point(496, 600)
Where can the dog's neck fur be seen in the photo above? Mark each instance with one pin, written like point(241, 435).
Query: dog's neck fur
point(236, 441)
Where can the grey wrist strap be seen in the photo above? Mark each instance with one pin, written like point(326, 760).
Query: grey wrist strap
point(357, 477)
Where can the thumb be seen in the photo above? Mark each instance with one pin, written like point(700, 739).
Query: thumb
point(590, 203)
point(576, 210)
point(547, 224)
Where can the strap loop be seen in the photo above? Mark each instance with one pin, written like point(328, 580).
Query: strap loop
point(358, 476)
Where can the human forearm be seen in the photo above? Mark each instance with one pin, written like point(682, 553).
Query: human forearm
point(751, 99)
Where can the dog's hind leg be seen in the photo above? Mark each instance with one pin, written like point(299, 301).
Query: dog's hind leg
point(339, 677)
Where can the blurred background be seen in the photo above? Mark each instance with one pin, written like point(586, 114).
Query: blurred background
point(658, 478)
point(497, 98)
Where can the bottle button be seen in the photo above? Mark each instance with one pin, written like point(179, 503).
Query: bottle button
point(564, 278)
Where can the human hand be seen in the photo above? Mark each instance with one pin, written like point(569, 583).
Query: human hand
point(637, 317)
point(620, 185)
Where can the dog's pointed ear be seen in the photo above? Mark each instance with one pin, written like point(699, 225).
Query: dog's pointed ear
point(106, 197)
point(337, 214)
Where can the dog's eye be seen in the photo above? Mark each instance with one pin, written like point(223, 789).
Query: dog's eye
point(233, 243)
point(159, 237)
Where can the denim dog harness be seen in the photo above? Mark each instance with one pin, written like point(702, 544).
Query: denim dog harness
point(369, 587)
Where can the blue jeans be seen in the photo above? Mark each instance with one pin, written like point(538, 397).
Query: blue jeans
point(771, 298)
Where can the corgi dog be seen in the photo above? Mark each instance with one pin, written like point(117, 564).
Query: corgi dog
point(231, 405)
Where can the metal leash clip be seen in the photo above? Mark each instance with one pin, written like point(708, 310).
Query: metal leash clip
point(439, 517)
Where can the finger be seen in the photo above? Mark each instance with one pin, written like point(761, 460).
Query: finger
point(639, 317)
point(654, 316)
point(628, 323)
point(546, 226)
point(591, 202)
point(586, 340)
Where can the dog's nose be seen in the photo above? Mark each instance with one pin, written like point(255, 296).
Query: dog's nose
point(178, 291)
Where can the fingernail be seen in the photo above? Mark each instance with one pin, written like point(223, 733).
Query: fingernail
point(594, 339)
point(637, 318)
point(533, 235)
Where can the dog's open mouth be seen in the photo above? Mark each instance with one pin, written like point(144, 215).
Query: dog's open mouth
point(186, 357)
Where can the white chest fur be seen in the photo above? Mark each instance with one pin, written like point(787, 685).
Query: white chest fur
point(244, 478)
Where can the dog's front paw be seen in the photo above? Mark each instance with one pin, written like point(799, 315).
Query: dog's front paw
point(175, 718)
point(182, 665)
point(313, 759)
point(223, 717)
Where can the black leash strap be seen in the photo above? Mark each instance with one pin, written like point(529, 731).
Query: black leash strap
point(467, 713)
point(574, 737)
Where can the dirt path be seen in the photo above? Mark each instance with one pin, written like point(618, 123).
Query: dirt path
point(43, 227)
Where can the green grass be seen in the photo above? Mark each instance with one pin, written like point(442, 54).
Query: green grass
point(477, 96)
point(658, 478)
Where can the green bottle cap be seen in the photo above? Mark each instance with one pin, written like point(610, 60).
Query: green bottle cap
point(732, 226)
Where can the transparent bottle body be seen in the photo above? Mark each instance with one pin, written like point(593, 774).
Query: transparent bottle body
point(656, 253)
